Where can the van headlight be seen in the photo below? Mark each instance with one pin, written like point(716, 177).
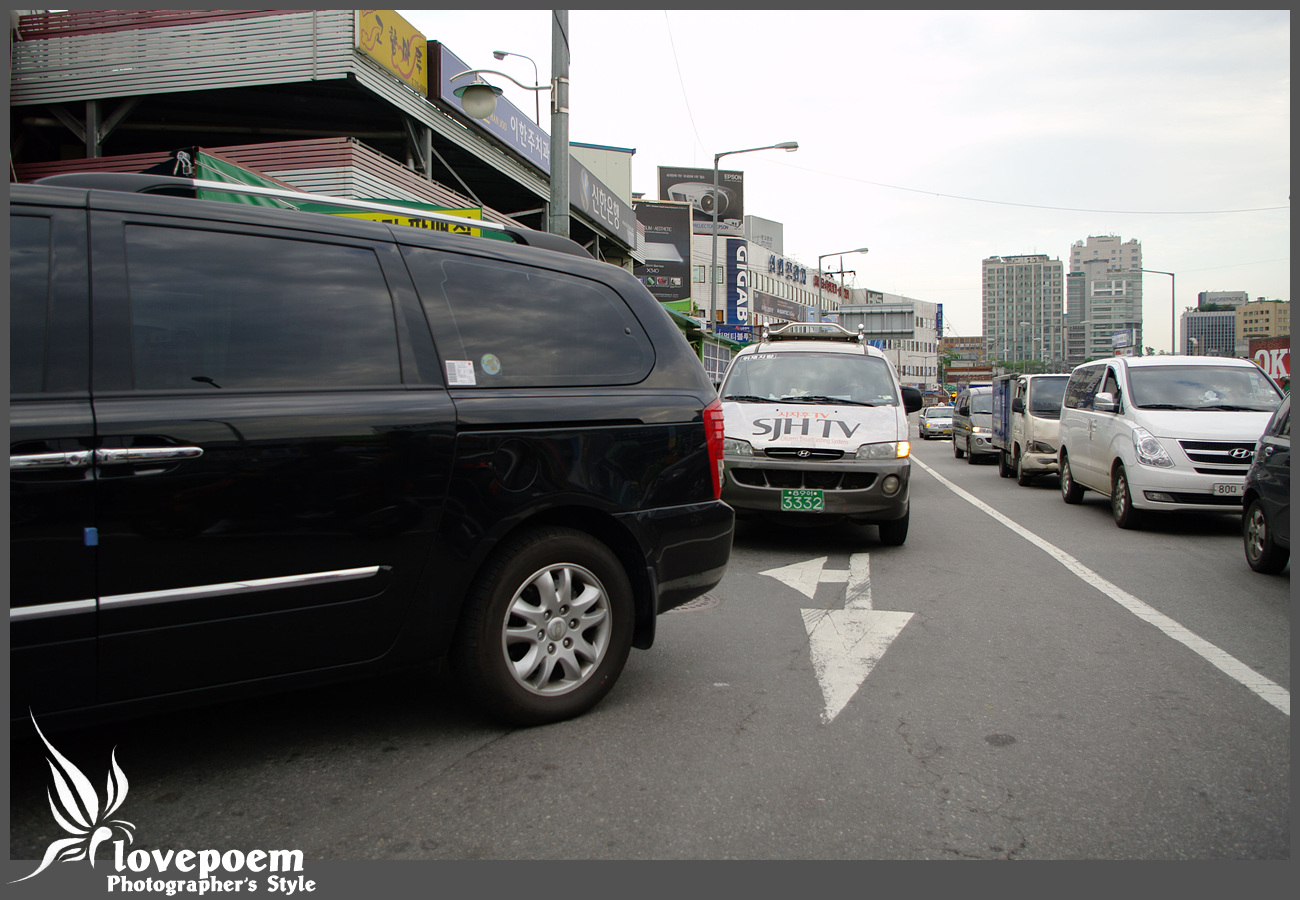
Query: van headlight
point(975, 429)
point(886, 450)
point(736, 447)
point(1149, 450)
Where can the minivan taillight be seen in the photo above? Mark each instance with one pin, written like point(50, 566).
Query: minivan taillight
point(714, 431)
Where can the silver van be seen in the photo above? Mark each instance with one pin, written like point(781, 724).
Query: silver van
point(1172, 433)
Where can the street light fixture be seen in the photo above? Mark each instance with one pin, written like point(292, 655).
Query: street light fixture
point(479, 100)
point(788, 147)
point(1173, 309)
point(821, 303)
point(537, 97)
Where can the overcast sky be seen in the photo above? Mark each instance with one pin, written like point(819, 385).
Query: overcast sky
point(938, 139)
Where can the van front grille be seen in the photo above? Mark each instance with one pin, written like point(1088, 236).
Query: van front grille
point(1228, 458)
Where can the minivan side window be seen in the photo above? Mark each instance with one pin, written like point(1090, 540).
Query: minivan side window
point(213, 309)
point(1083, 386)
point(500, 324)
point(1111, 386)
point(29, 290)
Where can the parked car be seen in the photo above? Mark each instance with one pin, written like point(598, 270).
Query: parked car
point(256, 448)
point(816, 430)
point(972, 423)
point(1163, 433)
point(1266, 524)
point(935, 421)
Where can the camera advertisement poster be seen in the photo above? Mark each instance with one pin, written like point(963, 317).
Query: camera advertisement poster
point(666, 244)
point(695, 186)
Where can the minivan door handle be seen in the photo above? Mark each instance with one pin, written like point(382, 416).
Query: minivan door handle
point(75, 459)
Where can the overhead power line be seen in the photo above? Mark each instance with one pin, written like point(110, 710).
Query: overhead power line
point(1119, 212)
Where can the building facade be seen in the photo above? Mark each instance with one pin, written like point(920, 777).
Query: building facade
point(907, 330)
point(1208, 332)
point(1024, 309)
point(1103, 299)
point(965, 360)
point(1261, 319)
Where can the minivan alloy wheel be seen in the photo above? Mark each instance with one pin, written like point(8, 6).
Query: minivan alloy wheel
point(549, 628)
point(1121, 502)
point(1261, 552)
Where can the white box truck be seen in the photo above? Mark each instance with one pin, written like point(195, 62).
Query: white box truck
point(1026, 424)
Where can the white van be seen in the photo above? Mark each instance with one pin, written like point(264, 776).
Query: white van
point(816, 430)
point(1163, 432)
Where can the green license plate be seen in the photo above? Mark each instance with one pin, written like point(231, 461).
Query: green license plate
point(802, 500)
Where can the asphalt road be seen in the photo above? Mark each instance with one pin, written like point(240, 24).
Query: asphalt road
point(1034, 702)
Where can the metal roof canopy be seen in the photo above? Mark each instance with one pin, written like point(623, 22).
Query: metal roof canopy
point(316, 85)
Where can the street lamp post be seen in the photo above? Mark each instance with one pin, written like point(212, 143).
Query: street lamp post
point(537, 97)
point(1173, 309)
point(821, 302)
point(479, 99)
point(787, 146)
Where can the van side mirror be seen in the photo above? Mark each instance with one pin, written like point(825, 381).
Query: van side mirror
point(1018, 405)
point(1104, 402)
point(963, 410)
point(912, 399)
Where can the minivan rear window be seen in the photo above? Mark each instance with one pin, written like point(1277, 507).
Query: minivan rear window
point(506, 324)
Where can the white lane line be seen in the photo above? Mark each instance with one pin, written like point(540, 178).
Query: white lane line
point(1270, 691)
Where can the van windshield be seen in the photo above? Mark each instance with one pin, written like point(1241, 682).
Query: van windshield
point(1202, 387)
point(1045, 396)
point(981, 403)
point(810, 378)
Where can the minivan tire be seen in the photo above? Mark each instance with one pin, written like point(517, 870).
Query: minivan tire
point(1121, 501)
point(511, 652)
point(970, 457)
point(894, 533)
point(1262, 552)
point(1071, 492)
point(956, 451)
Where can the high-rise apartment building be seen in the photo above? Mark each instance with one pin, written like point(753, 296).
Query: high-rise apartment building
point(1024, 309)
point(1104, 298)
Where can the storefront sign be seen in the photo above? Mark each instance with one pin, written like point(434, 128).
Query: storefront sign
point(507, 124)
point(589, 194)
point(393, 42)
point(737, 282)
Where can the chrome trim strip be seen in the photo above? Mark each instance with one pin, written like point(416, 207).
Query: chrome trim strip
point(50, 610)
point(202, 592)
point(145, 454)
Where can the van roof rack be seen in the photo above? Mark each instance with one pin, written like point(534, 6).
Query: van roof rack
point(173, 186)
point(812, 331)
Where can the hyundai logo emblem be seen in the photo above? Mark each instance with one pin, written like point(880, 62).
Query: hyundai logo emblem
point(1242, 453)
point(803, 454)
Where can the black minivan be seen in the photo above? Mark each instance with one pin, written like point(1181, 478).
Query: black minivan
point(256, 448)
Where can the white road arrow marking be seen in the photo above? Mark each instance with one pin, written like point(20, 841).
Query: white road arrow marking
point(845, 644)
